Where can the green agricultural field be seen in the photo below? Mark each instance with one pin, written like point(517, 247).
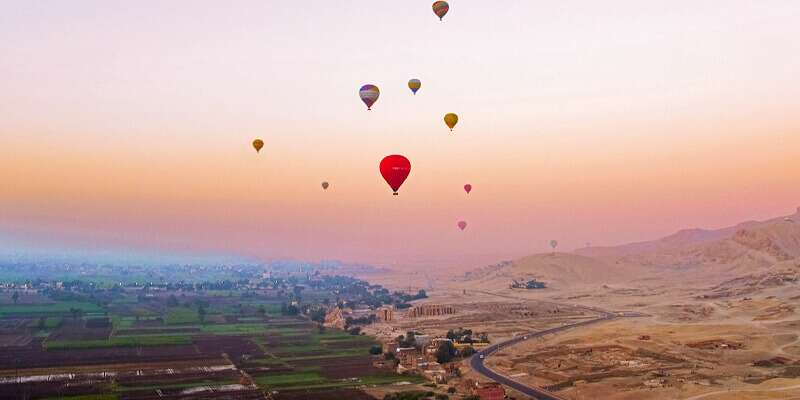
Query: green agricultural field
point(52, 322)
point(387, 379)
point(182, 315)
point(125, 341)
point(61, 307)
point(313, 380)
point(235, 329)
point(291, 379)
point(204, 382)
point(122, 322)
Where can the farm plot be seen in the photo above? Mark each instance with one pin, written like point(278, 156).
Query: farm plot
point(79, 330)
point(338, 367)
point(182, 315)
point(49, 309)
point(35, 356)
point(207, 392)
point(238, 348)
point(334, 394)
point(47, 389)
point(235, 329)
point(121, 341)
point(21, 340)
point(157, 331)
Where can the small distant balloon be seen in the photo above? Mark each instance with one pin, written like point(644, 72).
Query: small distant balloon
point(369, 95)
point(440, 8)
point(554, 244)
point(395, 169)
point(468, 188)
point(462, 225)
point(414, 85)
point(451, 120)
point(258, 144)
point(325, 185)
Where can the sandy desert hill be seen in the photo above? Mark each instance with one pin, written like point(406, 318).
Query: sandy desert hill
point(743, 253)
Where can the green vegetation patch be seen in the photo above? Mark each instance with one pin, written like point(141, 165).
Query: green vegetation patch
point(52, 322)
point(387, 379)
point(182, 315)
point(235, 329)
point(204, 382)
point(61, 307)
point(291, 379)
point(409, 395)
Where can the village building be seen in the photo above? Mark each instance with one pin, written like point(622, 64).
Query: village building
point(422, 340)
point(335, 319)
point(433, 346)
point(407, 358)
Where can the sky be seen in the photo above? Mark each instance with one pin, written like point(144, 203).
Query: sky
point(128, 125)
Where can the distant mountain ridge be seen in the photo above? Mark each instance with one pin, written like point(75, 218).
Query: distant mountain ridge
point(747, 249)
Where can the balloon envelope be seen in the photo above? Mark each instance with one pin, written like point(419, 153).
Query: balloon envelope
point(414, 85)
point(258, 144)
point(369, 95)
point(395, 170)
point(440, 8)
point(451, 120)
point(468, 188)
point(325, 185)
point(553, 243)
point(462, 225)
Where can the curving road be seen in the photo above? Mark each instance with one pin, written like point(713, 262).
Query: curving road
point(476, 362)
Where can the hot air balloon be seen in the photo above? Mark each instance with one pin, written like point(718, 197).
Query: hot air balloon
point(462, 225)
point(414, 85)
point(468, 188)
point(451, 120)
point(440, 8)
point(258, 144)
point(369, 95)
point(325, 185)
point(554, 244)
point(395, 170)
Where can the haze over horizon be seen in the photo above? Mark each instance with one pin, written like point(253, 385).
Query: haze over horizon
point(128, 125)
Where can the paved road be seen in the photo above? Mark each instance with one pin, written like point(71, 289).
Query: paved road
point(476, 362)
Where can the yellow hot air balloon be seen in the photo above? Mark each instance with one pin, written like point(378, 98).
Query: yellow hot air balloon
point(451, 120)
point(258, 144)
point(414, 85)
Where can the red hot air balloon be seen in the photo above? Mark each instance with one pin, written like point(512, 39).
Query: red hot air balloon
point(395, 170)
point(462, 225)
point(468, 188)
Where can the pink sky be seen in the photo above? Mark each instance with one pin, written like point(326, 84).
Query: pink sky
point(125, 124)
